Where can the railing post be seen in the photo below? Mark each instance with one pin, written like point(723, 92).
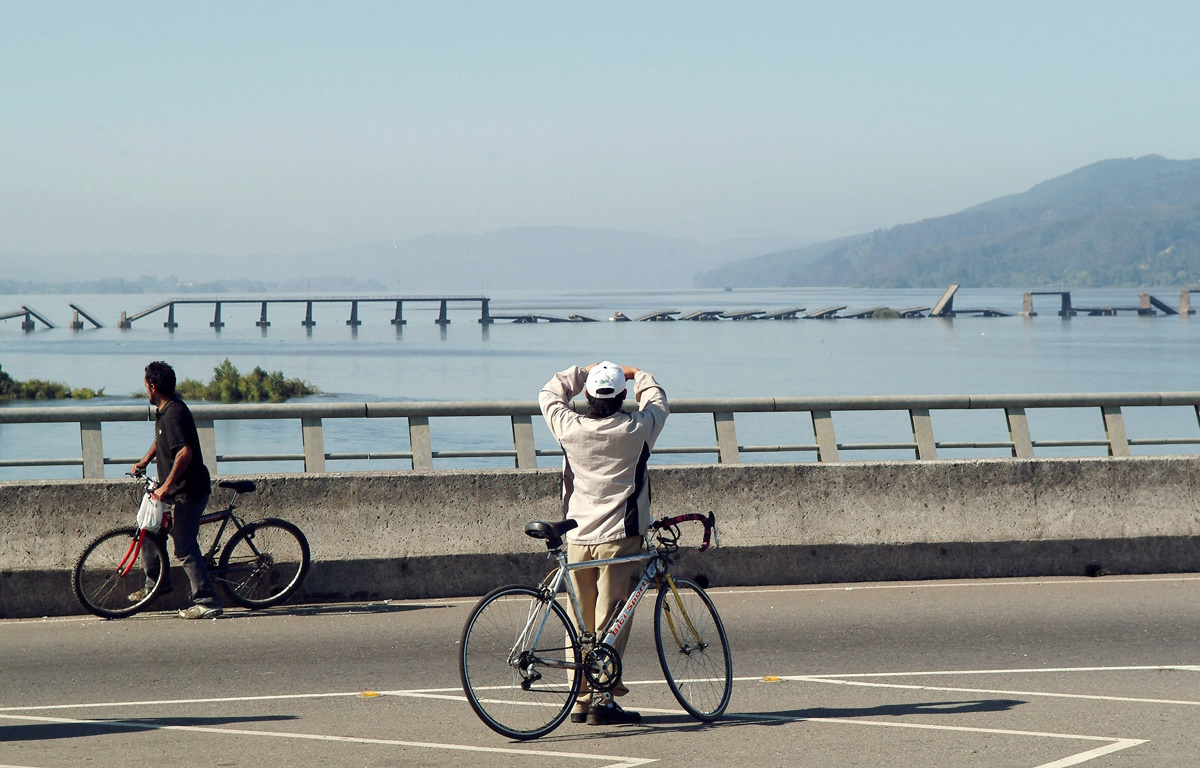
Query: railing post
point(208, 444)
point(93, 449)
point(522, 427)
point(827, 450)
point(1114, 430)
point(922, 427)
point(727, 444)
point(422, 446)
point(314, 444)
point(1018, 432)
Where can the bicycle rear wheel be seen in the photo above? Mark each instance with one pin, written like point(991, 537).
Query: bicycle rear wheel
point(263, 563)
point(693, 649)
point(103, 587)
point(516, 660)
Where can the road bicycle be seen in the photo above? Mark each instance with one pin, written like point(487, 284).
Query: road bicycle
point(261, 565)
point(523, 663)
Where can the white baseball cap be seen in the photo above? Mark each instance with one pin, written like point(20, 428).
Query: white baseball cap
point(605, 380)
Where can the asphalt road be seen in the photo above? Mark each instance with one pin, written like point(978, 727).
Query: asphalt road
point(1046, 673)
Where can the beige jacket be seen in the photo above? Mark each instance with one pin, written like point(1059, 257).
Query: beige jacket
point(605, 483)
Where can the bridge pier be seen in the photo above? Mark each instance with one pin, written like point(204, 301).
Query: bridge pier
point(485, 316)
point(27, 324)
point(262, 321)
point(308, 322)
point(170, 325)
point(353, 322)
point(216, 323)
point(442, 320)
point(399, 320)
point(124, 323)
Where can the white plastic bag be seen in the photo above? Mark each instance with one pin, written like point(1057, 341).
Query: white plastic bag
point(150, 514)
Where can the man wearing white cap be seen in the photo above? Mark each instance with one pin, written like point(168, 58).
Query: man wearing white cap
point(606, 488)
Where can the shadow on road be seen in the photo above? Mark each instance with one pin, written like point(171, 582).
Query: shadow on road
point(682, 723)
point(76, 730)
point(307, 609)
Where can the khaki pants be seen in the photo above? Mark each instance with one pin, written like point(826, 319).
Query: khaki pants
point(601, 590)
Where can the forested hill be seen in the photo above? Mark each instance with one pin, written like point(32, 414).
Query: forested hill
point(1130, 222)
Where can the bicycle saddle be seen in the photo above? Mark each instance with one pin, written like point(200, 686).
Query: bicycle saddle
point(551, 532)
point(238, 486)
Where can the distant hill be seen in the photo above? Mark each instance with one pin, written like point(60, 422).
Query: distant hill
point(1130, 222)
point(529, 257)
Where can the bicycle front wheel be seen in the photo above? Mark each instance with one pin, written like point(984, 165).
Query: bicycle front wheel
point(110, 582)
point(263, 564)
point(517, 660)
point(693, 649)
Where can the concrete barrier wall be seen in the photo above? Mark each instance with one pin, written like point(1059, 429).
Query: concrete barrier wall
point(447, 533)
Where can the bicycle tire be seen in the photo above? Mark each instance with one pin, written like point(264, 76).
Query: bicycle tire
point(693, 649)
point(98, 585)
point(493, 684)
point(263, 564)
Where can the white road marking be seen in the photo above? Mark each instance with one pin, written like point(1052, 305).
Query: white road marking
point(1031, 670)
point(1081, 757)
point(1091, 754)
point(179, 701)
point(855, 679)
point(620, 762)
point(854, 586)
point(1044, 694)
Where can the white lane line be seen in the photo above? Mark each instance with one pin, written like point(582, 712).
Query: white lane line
point(1076, 759)
point(1141, 668)
point(1043, 694)
point(1091, 754)
point(939, 585)
point(620, 762)
point(279, 697)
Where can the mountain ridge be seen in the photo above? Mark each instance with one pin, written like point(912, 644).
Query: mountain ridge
point(1018, 239)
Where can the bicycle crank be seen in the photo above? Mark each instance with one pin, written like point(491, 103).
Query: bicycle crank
point(602, 667)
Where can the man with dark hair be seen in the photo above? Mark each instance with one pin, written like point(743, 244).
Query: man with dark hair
point(606, 488)
point(183, 480)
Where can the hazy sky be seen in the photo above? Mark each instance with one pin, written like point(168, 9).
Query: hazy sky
point(245, 127)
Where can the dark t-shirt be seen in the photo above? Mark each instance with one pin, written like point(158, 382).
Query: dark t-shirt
point(173, 429)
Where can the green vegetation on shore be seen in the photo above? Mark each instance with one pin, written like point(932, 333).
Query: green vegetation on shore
point(229, 386)
point(36, 389)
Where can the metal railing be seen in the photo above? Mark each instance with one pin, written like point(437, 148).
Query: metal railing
point(311, 418)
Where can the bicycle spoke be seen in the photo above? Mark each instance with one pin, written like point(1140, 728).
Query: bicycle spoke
point(506, 685)
point(692, 649)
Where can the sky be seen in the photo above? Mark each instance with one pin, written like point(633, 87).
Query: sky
point(239, 128)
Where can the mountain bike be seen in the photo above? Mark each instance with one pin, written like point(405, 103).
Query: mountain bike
point(522, 661)
point(261, 565)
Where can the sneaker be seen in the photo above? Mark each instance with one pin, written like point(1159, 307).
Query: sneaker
point(200, 612)
point(611, 714)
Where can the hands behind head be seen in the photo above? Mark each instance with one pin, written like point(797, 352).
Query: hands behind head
point(629, 371)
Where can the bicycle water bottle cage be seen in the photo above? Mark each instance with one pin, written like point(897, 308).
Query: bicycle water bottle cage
point(551, 532)
point(238, 486)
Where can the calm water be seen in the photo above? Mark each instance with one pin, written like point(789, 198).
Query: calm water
point(509, 361)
